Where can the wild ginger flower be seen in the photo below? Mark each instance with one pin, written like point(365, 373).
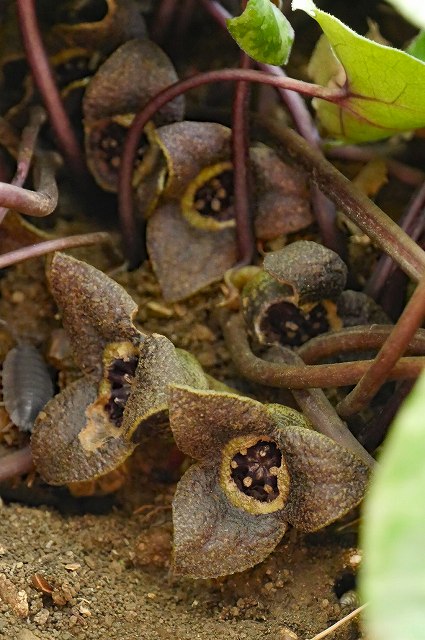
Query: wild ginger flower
point(259, 468)
point(191, 229)
point(95, 423)
point(300, 294)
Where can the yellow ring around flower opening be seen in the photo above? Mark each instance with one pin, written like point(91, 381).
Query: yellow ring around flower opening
point(188, 200)
point(230, 488)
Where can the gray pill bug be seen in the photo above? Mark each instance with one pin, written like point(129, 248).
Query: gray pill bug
point(27, 385)
point(349, 599)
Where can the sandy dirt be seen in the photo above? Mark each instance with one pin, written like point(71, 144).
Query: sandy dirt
point(109, 578)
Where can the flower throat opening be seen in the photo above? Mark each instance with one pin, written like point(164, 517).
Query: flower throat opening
point(255, 470)
point(215, 197)
point(120, 375)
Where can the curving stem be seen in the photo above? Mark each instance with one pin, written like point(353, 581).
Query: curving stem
point(43, 78)
point(317, 408)
point(295, 104)
point(324, 209)
point(358, 207)
point(57, 244)
point(41, 202)
point(26, 150)
point(393, 348)
point(291, 377)
point(360, 338)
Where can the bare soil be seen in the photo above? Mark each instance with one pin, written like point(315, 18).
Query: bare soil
point(110, 578)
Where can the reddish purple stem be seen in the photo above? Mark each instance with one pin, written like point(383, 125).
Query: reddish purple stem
point(58, 244)
point(393, 348)
point(41, 202)
point(296, 106)
point(360, 338)
point(324, 209)
point(43, 78)
point(27, 145)
point(16, 463)
point(26, 150)
point(241, 169)
point(413, 223)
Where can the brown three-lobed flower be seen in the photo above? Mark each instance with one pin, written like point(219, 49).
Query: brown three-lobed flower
point(94, 424)
point(259, 468)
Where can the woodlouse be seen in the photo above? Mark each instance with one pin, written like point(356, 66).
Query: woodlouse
point(349, 599)
point(27, 385)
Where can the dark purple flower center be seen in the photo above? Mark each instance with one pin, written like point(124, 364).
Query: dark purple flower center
point(120, 375)
point(255, 470)
point(215, 198)
point(108, 143)
point(291, 326)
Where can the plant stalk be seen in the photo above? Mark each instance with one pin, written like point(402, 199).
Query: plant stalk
point(41, 202)
point(57, 244)
point(43, 78)
point(357, 206)
point(306, 376)
point(361, 338)
point(317, 408)
point(390, 352)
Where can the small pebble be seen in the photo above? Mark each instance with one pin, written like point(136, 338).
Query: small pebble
point(41, 617)
point(73, 566)
point(90, 562)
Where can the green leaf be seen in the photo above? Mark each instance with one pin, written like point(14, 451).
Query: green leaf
point(412, 10)
point(386, 87)
point(393, 576)
point(417, 47)
point(263, 32)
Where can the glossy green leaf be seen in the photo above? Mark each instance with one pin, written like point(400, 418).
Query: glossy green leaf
point(393, 576)
point(417, 47)
point(263, 32)
point(412, 10)
point(386, 87)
